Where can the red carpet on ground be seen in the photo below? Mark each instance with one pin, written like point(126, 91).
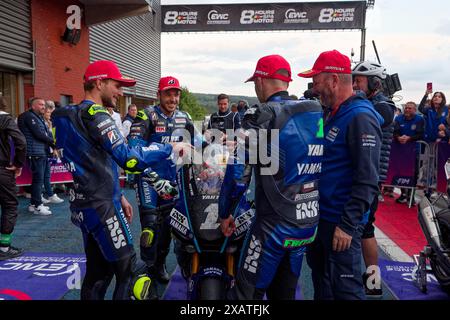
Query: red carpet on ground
point(401, 225)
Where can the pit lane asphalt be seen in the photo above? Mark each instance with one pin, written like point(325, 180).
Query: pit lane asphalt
point(57, 234)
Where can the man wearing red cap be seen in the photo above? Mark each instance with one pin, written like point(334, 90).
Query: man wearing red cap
point(92, 146)
point(348, 182)
point(286, 192)
point(163, 123)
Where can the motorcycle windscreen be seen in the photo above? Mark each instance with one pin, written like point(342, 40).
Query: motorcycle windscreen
point(208, 178)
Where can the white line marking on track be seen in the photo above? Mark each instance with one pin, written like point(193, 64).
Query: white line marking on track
point(391, 249)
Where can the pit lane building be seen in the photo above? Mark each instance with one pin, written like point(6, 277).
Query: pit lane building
point(40, 56)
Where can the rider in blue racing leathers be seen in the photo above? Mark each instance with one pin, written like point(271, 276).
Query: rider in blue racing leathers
point(286, 194)
point(92, 147)
point(162, 124)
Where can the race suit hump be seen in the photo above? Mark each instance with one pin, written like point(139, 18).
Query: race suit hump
point(93, 148)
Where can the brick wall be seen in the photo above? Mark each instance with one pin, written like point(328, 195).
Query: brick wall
point(59, 65)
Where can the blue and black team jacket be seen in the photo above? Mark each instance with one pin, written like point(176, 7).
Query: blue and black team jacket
point(93, 147)
point(36, 132)
point(289, 190)
point(350, 165)
point(432, 120)
point(413, 128)
point(224, 121)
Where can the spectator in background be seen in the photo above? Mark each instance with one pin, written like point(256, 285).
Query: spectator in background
point(50, 196)
point(434, 114)
point(49, 106)
point(117, 119)
point(39, 140)
point(444, 130)
point(57, 104)
point(129, 119)
point(408, 127)
point(242, 108)
point(224, 119)
point(398, 112)
point(10, 169)
point(234, 108)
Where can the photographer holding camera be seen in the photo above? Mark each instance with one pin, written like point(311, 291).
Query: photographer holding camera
point(369, 78)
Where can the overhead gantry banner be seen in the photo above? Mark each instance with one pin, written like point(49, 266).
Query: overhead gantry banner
point(264, 16)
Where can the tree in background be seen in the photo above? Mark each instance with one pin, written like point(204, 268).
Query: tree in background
point(189, 104)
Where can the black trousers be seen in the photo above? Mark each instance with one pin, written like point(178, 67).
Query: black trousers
point(8, 201)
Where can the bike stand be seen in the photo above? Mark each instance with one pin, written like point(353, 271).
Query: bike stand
point(420, 279)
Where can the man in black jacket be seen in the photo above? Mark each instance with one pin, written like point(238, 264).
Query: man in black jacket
point(39, 139)
point(224, 119)
point(9, 170)
point(368, 77)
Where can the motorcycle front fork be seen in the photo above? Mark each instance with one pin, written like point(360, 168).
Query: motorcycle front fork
point(230, 264)
point(230, 267)
point(195, 262)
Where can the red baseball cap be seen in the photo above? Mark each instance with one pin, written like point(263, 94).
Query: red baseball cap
point(268, 66)
point(329, 61)
point(105, 69)
point(167, 83)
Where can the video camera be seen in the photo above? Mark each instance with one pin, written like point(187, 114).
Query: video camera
point(391, 84)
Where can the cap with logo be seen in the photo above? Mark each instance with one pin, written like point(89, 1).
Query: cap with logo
point(329, 61)
point(268, 66)
point(106, 69)
point(167, 83)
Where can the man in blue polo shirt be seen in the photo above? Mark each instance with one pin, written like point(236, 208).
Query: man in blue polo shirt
point(408, 127)
point(348, 182)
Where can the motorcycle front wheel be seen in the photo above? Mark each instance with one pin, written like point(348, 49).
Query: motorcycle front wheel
point(212, 288)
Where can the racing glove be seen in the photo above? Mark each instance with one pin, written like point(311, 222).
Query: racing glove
point(166, 190)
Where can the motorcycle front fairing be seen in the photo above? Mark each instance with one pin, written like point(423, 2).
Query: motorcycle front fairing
point(195, 216)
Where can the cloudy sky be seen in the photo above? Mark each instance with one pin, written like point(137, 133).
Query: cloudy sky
point(412, 38)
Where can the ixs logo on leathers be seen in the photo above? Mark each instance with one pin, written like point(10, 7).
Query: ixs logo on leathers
point(307, 210)
point(253, 253)
point(182, 17)
point(116, 233)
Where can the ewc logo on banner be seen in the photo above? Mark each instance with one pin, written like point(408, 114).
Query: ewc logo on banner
point(293, 16)
point(214, 17)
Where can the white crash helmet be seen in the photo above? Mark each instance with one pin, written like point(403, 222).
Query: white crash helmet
point(368, 69)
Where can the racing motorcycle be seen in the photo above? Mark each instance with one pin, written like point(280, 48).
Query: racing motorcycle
point(434, 219)
point(206, 257)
